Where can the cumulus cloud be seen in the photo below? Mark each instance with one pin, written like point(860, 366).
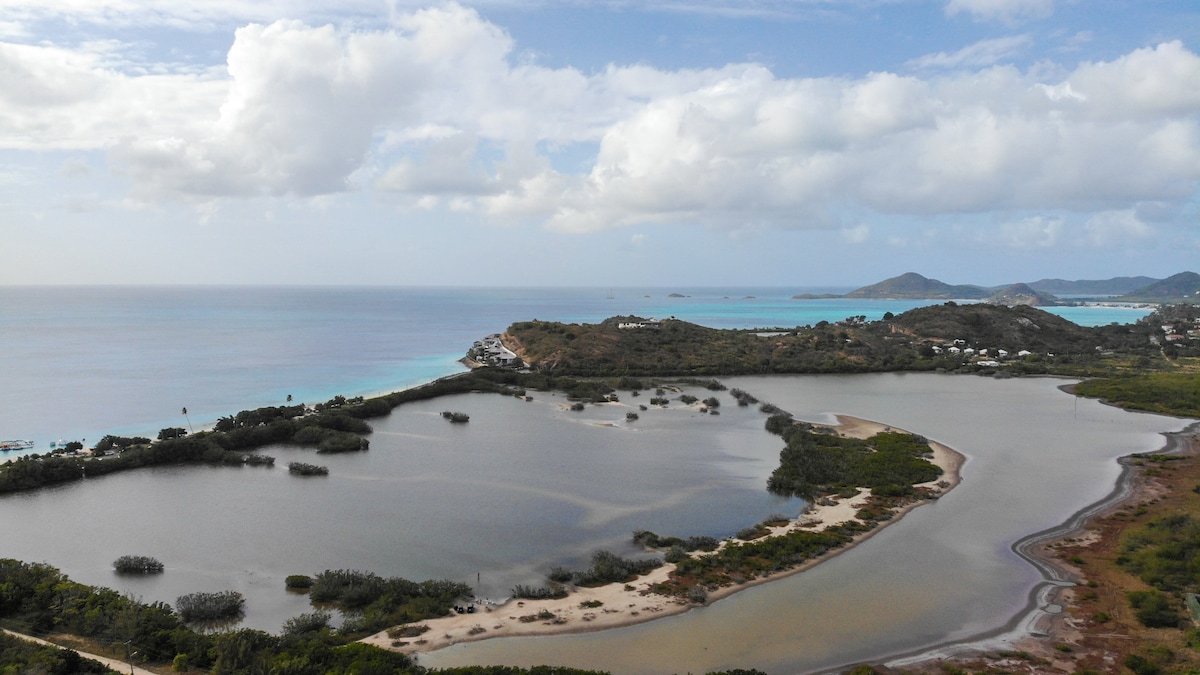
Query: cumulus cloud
point(1113, 229)
point(434, 107)
point(969, 142)
point(1006, 11)
point(1028, 233)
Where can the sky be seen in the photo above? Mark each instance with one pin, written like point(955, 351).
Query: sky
point(797, 143)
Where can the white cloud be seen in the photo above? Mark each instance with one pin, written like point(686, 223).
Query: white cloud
point(857, 234)
point(1115, 229)
point(970, 142)
point(1028, 233)
point(435, 108)
point(982, 53)
point(1006, 11)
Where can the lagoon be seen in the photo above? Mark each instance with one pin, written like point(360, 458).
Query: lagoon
point(524, 486)
point(946, 572)
point(529, 485)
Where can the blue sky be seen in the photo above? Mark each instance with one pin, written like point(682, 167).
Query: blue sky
point(658, 142)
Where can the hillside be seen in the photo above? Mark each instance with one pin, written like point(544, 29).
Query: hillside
point(1010, 328)
point(1114, 286)
point(1185, 285)
point(914, 286)
point(1021, 294)
point(925, 338)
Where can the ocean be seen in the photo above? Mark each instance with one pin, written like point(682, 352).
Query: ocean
point(81, 362)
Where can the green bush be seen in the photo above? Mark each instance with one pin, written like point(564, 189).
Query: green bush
point(202, 607)
point(298, 581)
point(137, 564)
point(1155, 609)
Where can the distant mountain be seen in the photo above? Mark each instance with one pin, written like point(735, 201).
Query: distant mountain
point(1177, 286)
point(913, 286)
point(1114, 286)
point(1021, 294)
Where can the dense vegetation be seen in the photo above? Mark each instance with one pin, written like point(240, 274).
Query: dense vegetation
point(1165, 554)
point(137, 564)
point(38, 599)
point(206, 607)
point(919, 339)
point(739, 562)
point(304, 469)
point(816, 461)
point(1163, 393)
point(609, 568)
point(20, 656)
point(374, 603)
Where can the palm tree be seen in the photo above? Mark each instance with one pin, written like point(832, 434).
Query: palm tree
point(189, 420)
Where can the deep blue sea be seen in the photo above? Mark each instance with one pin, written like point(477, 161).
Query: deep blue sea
point(80, 362)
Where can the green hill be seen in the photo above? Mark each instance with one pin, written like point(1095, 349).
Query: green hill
point(1182, 286)
point(996, 326)
point(1021, 294)
point(1114, 286)
point(914, 286)
point(910, 341)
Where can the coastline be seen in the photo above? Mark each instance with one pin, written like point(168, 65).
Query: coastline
point(619, 605)
point(1041, 623)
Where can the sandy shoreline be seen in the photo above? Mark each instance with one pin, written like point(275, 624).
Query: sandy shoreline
point(1042, 624)
point(616, 605)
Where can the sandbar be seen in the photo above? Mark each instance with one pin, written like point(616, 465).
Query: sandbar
point(616, 605)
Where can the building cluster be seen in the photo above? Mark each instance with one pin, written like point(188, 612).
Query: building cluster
point(491, 351)
point(988, 357)
point(633, 325)
point(1178, 332)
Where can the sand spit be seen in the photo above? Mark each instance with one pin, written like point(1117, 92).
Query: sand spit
point(616, 605)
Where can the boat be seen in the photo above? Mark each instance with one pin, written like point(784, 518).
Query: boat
point(15, 445)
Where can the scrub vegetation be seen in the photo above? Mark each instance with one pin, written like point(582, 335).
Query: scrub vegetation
point(137, 564)
point(904, 342)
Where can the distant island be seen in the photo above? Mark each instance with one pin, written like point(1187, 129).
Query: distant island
point(1179, 288)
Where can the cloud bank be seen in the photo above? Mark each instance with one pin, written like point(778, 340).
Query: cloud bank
point(436, 110)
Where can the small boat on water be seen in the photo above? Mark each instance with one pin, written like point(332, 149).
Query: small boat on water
point(15, 445)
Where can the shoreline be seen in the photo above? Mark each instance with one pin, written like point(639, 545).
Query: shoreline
point(619, 605)
point(1041, 622)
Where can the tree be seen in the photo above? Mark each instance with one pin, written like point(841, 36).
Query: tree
point(189, 420)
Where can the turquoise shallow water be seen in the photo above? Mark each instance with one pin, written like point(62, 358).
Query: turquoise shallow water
point(81, 362)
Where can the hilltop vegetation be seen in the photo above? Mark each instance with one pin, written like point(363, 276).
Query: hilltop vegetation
point(950, 337)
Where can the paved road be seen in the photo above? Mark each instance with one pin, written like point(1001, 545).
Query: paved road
point(119, 666)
